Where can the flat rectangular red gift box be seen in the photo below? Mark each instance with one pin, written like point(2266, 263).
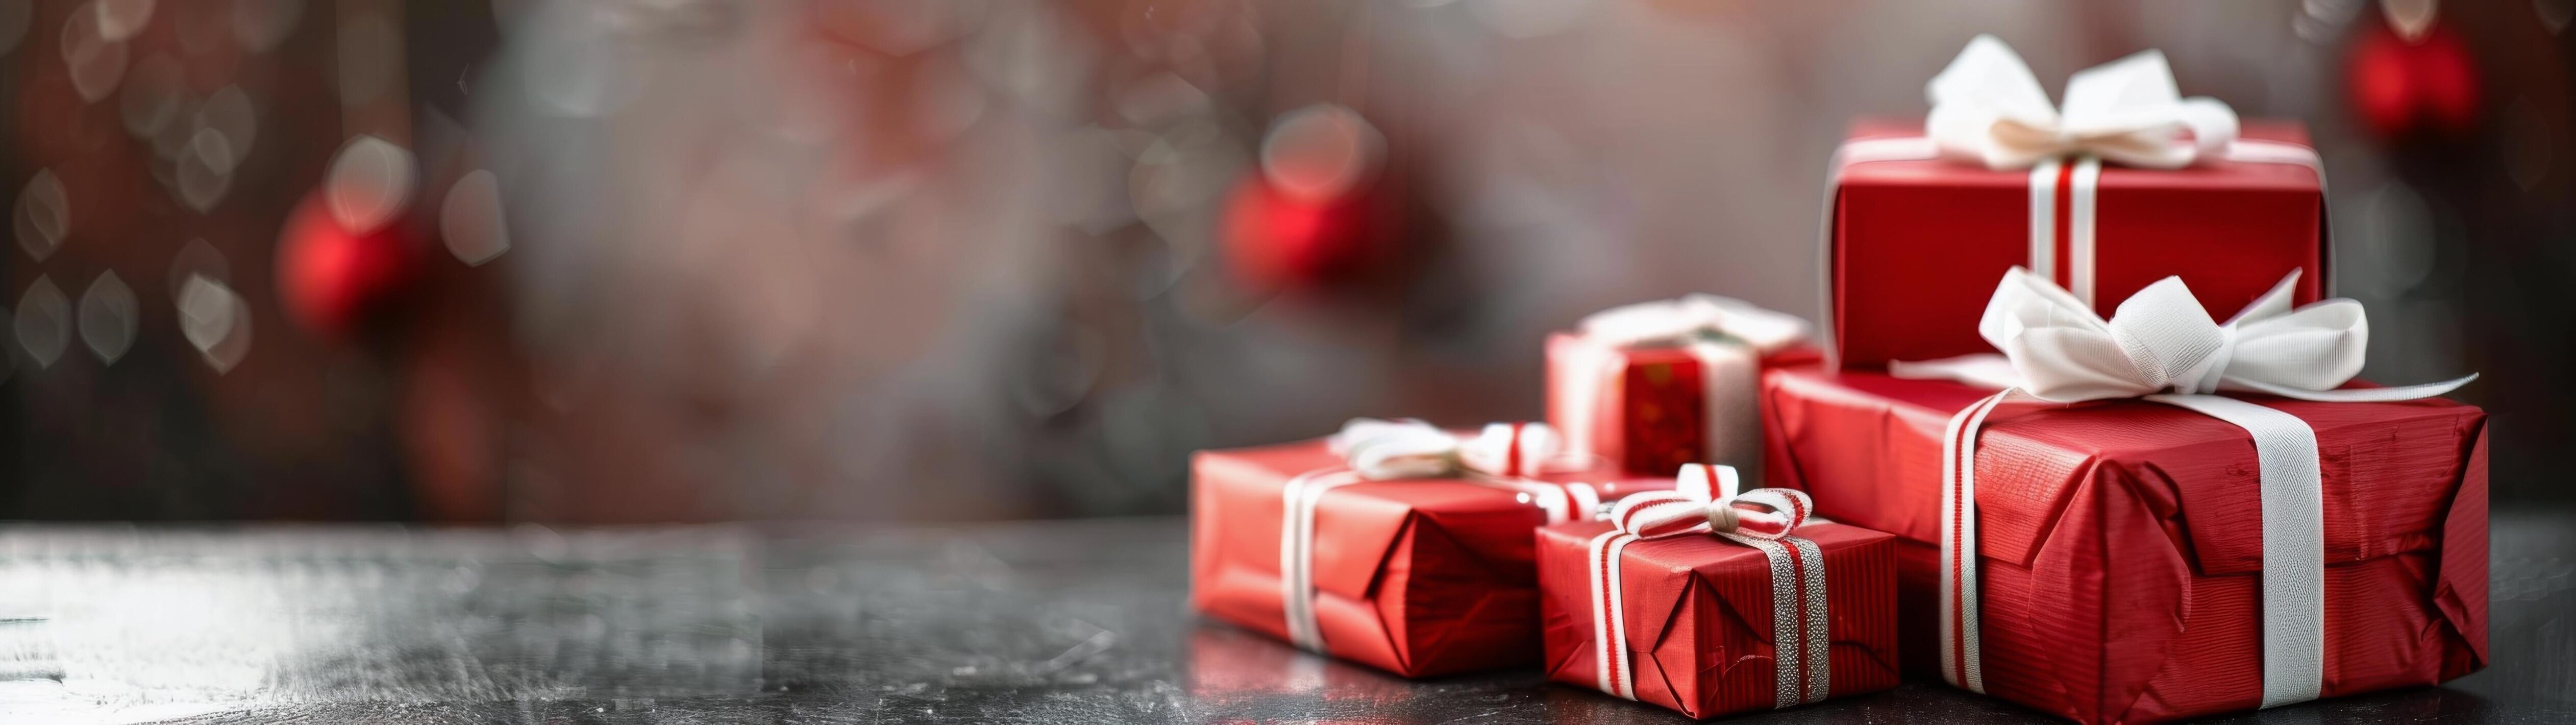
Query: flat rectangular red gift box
point(1652, 416)
point(2121, 543)
point(1917, 245)
point(1699, 615)
point(1418, 578)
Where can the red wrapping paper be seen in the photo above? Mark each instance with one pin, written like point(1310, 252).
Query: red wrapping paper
point(1699, 615)
point(1917, 245)
point(1417, 578)
point(2121, 540)
point(1652, 416)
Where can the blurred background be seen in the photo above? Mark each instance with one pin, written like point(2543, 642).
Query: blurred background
point(603, 261)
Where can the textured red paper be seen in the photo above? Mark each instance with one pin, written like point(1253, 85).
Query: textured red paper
point(1919, 245)
point(1699, 615)
point(1651, 418)
point(1414, 577)
point(2122, 540)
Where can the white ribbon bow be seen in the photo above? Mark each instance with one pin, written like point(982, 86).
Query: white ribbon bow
point(1706, 499)
point(1381, 450)
point(2161, 340)
point(1987, 107)
point(2160, 345)
point(1692, 317)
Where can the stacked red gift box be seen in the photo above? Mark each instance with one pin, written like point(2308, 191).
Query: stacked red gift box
point(2054, 474)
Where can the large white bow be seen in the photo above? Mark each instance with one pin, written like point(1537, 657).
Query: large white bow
point(1690, 317)
point(1381, 450)
point(2161, 340)
point(1988, 108)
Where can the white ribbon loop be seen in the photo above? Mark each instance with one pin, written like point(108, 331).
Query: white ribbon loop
point(1384, 450)
point(1769, 513)
point(1988, 108)
point(1693, 317)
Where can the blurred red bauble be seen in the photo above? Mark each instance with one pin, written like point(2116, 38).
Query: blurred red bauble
point(1307, 218)
point(2381, 89)
point(1276, 240)
point(332, 278)
point(2400, 88)
point(2446, 81)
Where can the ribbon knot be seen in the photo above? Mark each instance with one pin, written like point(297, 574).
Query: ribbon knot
point(1987, 107)
point(1694, 317)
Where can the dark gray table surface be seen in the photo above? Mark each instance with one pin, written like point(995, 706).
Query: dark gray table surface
point(1080, 622)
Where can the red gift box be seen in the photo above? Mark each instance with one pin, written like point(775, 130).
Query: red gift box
point(1655, 385)
point(1914, 243)
point(2121, 548)
point(1699, 617)
point(1416, 577)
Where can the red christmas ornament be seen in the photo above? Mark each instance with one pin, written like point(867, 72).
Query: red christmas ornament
point(2401, 88)
point(2446, 79)
point(1308, 217)
point(331, 277)
point(1278, 240)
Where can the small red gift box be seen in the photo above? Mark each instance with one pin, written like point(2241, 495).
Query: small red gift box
point(1708, 624)
point(1914, 242)
point(1652, 386)
point(2121, 549)
point(1419, 576)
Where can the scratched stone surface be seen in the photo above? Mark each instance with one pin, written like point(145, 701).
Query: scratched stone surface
point(1074, 622)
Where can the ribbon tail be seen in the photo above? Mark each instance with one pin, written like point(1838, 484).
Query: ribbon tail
point(1814, 617)
point(2272, 303)
point(2293, 578)
point(1961, 663)
point(1609, 615)
point(1987, 370)
point(2352, 395)
point(1297, 553)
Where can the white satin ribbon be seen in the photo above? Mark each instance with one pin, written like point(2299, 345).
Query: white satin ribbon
point(1503, 456)
point(1707, 499)
point(2163, 347)
point(1727, 336)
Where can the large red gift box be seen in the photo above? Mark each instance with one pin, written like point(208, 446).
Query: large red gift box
point(2121, 544)
point(1914, 244)
point(1652, 408)
point(1416, 577)
point(1699, 616)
